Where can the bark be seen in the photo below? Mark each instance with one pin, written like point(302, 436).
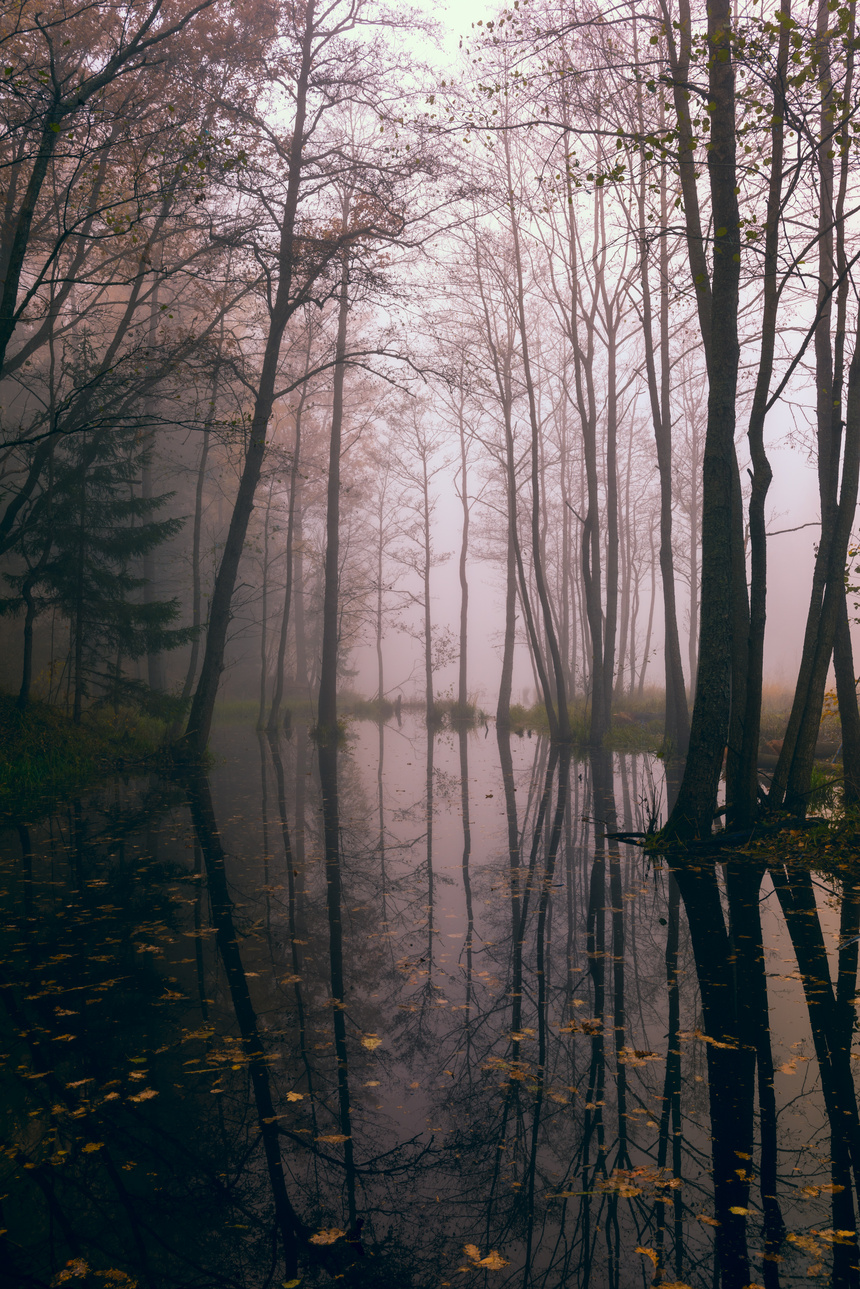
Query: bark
point(203, 705)
point(696, 801)
point(743, 790)
point(327, 707)
point(462, 680)
point(278, 696)
point(562, 719)
point(677, 718)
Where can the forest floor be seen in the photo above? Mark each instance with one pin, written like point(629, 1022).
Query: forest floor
point(45, 756)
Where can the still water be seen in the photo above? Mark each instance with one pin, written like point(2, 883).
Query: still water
point(403, 1015)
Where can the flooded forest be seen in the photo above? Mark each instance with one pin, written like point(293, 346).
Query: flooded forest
point(429, 733)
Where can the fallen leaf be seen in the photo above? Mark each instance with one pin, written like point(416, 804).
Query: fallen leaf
point(709, 1221)
point(91, 1146)
point(294, 1096)
point(493, 1261)
point(146, 1095)
point(739, 1209)
point(648, 1253)
point(333, 1138)
point(371, 1041)
point(327, 1237)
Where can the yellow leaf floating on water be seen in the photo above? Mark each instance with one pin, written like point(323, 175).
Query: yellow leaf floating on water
point(294, 1096)
point(146, 1095)
point(91, 1146)
point(709, 1221)
point(493, 1261)
point(326, 1237)
point(648, 1253)
point(333, 1138)
point(739, 1209)
point(371, 1041)
point(291, 1284)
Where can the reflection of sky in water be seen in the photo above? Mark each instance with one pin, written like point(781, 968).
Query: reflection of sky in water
point(495, 1132)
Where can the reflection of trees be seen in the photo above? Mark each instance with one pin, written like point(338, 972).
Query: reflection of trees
point(559, 1110)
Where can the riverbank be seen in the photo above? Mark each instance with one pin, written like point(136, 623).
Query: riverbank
point(45, 756)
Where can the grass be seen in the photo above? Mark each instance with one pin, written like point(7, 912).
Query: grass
point(44, 755)
point(635, 727)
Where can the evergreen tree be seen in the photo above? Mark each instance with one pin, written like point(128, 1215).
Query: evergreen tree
point(93, 531)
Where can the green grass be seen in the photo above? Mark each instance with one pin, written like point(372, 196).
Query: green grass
point(634, 728)
point(44, 755)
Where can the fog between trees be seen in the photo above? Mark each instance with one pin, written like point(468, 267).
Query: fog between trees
point(271, 289)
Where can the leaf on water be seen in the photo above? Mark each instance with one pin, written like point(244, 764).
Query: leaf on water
point(291, 1284)
point(91, 1146)
point(472, 1251)
point(290, 980)
point(294, 1096)
point(648, 1253)
point(493, 1261)
point(632, 1056)
point(146, 1095)
point(836, 1237)
point(328, 1236)
point(371, 1042)
point(709, 1221)
point(739, 1209)
point(333, 1138)
point(374, 1083)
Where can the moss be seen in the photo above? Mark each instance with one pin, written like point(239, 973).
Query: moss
point(44, 755)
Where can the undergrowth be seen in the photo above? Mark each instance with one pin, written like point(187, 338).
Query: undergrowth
point(44, 755)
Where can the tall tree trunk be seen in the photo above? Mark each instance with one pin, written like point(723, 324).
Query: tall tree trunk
point(677, 716)
point(742, 792)
point(463, 675)
point(203, 705)
point(694, 808)
point(278, 696)
point(327, 704)
point(562, 718)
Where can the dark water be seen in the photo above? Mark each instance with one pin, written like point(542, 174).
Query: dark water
point(352, 1019)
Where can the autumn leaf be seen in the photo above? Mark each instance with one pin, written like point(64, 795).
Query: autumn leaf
point(739, 1209)
point(709, 1221)
point(146, 1095)
point(91, 1146)
point(326, 1237)
point(333, 1138)
point(295, 1096)
point(493, 1261)
point(648, 1253)
point(371, 1042)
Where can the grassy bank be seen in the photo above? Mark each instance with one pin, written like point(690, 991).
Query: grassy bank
point(635, 727)
point(44, 755)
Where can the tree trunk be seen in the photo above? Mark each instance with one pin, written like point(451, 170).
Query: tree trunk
point(327, 706)
point(278, 696)
point(203, 705)
point(694, 808)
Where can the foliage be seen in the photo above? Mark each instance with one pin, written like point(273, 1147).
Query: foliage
point(44, 756)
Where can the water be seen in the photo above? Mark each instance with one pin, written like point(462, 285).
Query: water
point(417, 1029)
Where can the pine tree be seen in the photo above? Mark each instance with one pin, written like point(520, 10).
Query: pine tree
point(81, 556)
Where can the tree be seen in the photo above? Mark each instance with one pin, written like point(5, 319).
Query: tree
point(95, 527)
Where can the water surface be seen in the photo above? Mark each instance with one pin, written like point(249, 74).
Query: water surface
point(401, 1014)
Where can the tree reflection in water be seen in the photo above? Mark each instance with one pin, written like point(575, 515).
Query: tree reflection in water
point(404, 1012)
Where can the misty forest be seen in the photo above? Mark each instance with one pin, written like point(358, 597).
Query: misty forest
point(429, 598)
